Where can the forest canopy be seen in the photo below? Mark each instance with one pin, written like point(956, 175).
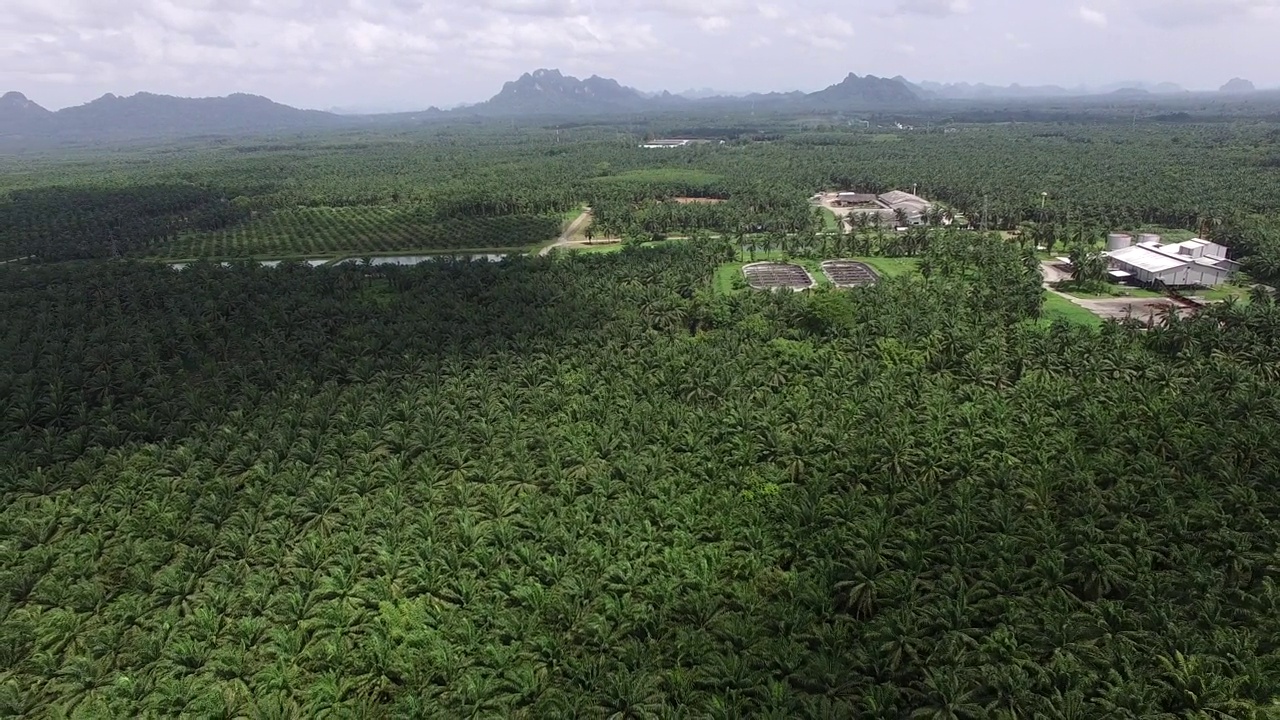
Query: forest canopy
point(621, 484)
point(587, 486)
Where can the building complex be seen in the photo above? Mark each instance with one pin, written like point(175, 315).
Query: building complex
point(1193, 263)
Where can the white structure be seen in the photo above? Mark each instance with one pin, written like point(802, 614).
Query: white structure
point(1186, 264)
point(669, 143)
point(1118, 241)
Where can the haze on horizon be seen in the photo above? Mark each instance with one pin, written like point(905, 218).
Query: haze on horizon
point(409, 54)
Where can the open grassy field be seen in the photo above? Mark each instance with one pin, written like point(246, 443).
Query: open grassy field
point(1058, 308)
point(1110, 291)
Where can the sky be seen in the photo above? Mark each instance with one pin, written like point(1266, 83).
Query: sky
point(377, 55)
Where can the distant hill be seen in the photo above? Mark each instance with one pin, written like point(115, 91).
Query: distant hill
point(21, 119)
point(146, 116)
point(1237, 85)
point(549, 91)
point(869, 91)
point(16, 105)
point(980, 91)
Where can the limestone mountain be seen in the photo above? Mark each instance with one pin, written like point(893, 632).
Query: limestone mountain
point(1237, 85)
point(549, 91)
point(15, 104)
point(146, 116)
point(860, 92)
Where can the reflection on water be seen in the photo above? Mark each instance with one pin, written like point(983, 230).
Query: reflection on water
point(416, 259)
point(404, 260)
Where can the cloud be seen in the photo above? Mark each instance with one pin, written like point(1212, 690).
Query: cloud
point(936, 8)
point(822, 32)
point(1183, 13)
point(713, 24)
point(1093, 17)
point(1017, 41)
point(320, 53)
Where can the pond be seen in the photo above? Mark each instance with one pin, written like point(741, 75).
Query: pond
point(407, 260)
point(313, 262)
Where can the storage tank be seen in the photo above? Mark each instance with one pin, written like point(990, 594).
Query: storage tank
point(1118, 241)
point(1148, 238)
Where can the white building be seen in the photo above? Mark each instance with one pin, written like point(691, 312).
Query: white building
point(1194, 263)
point(667, 143)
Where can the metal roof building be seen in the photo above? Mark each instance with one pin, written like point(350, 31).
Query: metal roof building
point(1185, 264)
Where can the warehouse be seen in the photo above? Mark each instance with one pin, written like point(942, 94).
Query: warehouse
point(1194, 263)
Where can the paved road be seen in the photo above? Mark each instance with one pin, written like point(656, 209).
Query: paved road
point(569, 232)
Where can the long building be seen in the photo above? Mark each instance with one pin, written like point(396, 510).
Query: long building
point(1194, 263)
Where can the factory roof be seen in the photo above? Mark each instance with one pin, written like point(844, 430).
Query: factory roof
point(897, 198)
point(1147, 258)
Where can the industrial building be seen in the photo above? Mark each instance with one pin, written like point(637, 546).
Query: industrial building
point(1193, 263)
point(884, 205)
point(667, 143)
point(848, 199)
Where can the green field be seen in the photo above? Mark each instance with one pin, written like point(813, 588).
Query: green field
point(1058, 308)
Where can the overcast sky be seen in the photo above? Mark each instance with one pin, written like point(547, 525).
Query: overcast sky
point(408, 54)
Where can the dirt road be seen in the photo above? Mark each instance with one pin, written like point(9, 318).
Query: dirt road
point(1119, 308)
point(567, 236)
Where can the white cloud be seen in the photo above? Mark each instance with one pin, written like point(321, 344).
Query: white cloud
point(414, 53)
point(824, 32)
point(1184, 13)
point(1093, 17)
point(713, 24)
point(940, 8)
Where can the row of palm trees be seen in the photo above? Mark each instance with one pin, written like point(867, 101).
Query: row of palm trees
point(1098, 177)
point(590, 486)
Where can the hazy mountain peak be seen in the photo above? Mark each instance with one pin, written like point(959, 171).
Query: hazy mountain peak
point(1237, 85)
point(16, 102)
point(870, 90)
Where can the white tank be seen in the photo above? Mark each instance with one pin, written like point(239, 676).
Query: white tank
point(1147, 238)
point(1118, 241)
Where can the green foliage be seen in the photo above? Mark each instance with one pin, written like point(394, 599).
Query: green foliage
point(1088, 268)
point(518, 489)
point(605, 485)
point(327, 231)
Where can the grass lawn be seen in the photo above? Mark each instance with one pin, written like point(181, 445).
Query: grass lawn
point(1112, 291)
point(1057, 308)
point(725, 278)
point(568, 216)
point(891, 267)
point(1223, 292)
point(830, 222)
point(595, 249)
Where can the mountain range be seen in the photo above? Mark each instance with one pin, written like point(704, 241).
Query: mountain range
point(543, 93)
point(112, 118)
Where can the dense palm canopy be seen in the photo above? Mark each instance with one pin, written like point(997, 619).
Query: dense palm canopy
point(444, 188)
point(587, 486)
